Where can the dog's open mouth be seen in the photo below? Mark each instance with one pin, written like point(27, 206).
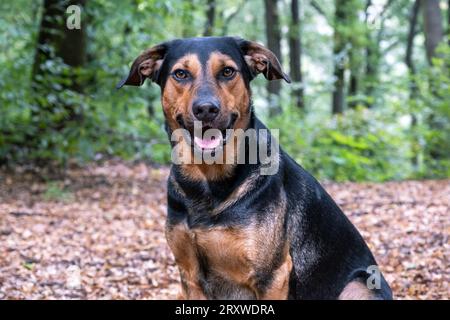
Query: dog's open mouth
point(208, 138)
point(208, 142)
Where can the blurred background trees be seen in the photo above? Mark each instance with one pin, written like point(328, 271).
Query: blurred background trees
point(370, 98)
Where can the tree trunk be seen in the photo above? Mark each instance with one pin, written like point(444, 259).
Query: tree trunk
point(295, 55)
point(373, 51)
point(371, 74)
point(411, 35)
point(70, 45)
point(412, 80)
point(353, 90)
point(338, 92)
point(210, 18)
point(339, 43)
point(273, 33)
point(56, 41)
point(434, 32)
point(371, 60)
point(354, 79)
point(358, 31)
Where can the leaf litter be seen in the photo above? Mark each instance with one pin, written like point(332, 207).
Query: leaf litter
point(98, 233)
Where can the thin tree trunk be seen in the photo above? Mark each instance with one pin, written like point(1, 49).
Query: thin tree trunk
point(273, 33)
point(411, 35)
point(338, 92)
point(353, 90)
point(354, 79)
point(373, 52)
point(371, 65)
point(412, 79)
point(319, 9)
point(339, 67)
point(434, 34)
point(371, 73)
point(353, 21)
point(210, 18)
point(295, 55)
point(434, 31)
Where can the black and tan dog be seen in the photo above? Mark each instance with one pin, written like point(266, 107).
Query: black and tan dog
point(235, 233)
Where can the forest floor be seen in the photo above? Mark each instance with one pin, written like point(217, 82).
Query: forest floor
point(98, 233)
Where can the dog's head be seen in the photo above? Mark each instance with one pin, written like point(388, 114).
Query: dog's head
point(205, 79)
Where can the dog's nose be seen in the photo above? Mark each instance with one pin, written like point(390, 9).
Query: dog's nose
point(205, 111)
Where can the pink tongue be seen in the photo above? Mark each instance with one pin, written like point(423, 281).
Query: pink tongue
point(210, 143)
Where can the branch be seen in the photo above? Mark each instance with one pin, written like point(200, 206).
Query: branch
point(319, 9)
point(383, 18)
point(397, 42)
point(385, 8)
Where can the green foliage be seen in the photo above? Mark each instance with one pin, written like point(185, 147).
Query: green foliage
point(402, 136)
point(362, 145)
point(35, 126)
point(433, 108)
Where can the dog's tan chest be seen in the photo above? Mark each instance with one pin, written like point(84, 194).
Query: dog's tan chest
point(228, 251)
point(231, 253)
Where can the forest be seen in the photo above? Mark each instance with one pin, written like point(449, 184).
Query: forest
point(84, 166)
point(369, 99)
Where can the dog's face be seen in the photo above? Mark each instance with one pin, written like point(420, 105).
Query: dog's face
point(207, 80)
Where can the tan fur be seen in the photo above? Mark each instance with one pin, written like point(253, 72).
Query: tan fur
point(229, 252)
point(178, 98)
point(203, 172)
point(279, 287)
point(356, 290)
point(180, 242)
point(233, 94)
point(234, 253)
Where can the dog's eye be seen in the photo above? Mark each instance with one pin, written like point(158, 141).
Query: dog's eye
point(228, 72)
point(180, 74)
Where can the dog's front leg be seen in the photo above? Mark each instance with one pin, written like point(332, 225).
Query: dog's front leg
point(279, 286)
point(181, 243)
point(190, 288)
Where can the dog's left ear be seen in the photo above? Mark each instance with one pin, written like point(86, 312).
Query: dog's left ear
point(145, 66)
point(261, 60)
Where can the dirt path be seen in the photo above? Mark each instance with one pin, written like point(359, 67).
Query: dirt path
point(99, 234)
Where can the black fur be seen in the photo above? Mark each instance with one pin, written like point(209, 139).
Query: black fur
point(326, 249)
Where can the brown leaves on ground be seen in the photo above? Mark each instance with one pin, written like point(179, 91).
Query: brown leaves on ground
point(98, 233)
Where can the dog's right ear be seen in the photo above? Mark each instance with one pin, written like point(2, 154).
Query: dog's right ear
point(261, 60)
point(145, 66)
